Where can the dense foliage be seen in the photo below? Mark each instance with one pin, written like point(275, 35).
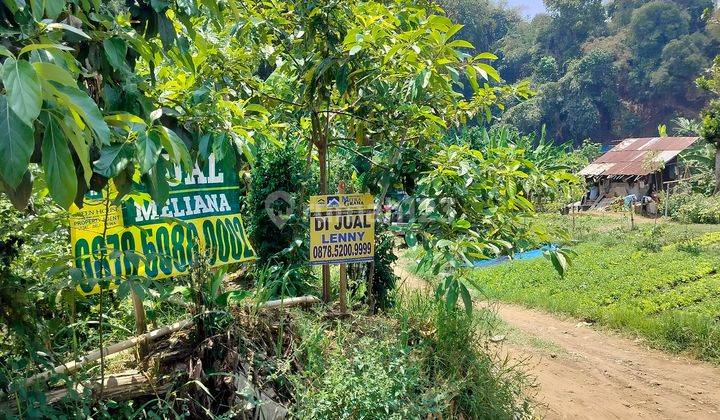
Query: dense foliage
point(603, 70)
point(279, 184)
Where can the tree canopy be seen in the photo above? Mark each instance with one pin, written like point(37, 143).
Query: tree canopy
point(94, 91)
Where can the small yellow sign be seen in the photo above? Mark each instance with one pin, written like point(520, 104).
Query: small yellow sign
point(342, 229)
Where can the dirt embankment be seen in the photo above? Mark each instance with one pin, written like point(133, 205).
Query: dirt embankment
point(582, 372)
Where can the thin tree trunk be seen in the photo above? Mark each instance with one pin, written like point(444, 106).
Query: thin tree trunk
point(717, 170)
point(140, 322)
point(320, 141)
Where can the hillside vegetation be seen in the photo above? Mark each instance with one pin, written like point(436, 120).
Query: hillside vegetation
point(602, 70)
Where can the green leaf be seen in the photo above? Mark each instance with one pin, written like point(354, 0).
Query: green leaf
point(148, 149)
point(451, 296)
point(50, 71)
point(16, 145)
point(232, 296)
point(74, 134)
point(33, 47)
point(467, 300)
point(443, 243)
point(38, 9)
point(410, 239)
point(53, 8)
point(4, 51)
point(14, 5)
point(166, 31)
point(558, 260)
point(24, 93)
point(19, 196)
point(472, 77)
point(113, 159)
point(391, 53)
point(127, 122)
point(175, 147)
point(58, 165)
point(204, 146)
point(341, 79)
point(81, 103)
point(115, 51)
point(257, 108)
point(462, 224)
point(486, 56)
point(460, 43)
point(156, 182)
point(487, 72)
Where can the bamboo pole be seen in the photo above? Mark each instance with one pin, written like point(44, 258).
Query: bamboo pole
point(74, 366)
point(93, 356)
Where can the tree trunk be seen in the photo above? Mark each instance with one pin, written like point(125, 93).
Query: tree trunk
point(140, 323)
point(717, 170)
point(321, 144)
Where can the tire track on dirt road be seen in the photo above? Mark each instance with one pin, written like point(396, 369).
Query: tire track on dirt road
point(599, 374)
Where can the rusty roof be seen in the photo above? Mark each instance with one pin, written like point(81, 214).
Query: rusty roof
point(631, 156)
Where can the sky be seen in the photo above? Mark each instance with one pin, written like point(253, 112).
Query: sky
point(528, 7)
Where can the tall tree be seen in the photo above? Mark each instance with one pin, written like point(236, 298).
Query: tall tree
point(574, 21)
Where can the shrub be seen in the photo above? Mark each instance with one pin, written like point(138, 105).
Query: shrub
point(364, 372)
point(694, 208)
point(282, 250)
point(477, 385)
point(424, 361)
point(384, 278)
point(652, 239)
point(277, 169)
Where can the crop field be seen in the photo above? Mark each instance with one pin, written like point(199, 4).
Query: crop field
point(659, 281)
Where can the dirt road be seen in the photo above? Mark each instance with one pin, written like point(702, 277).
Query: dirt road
point(585, 373)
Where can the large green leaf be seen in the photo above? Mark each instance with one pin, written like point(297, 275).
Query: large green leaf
point(33, 47)
point(82, 149)
point(81, 103)
point(166, 31)
point(156, 182)
point(24, 93)
point(53, 8)
point(38, 8)
point(175, 147)
point(58, 164)
point(16, 144)
point(113, 159)
point(115, 51)
point(50, 71)
point(148, 149)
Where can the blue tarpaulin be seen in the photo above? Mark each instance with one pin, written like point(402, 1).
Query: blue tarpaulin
point(527, 255)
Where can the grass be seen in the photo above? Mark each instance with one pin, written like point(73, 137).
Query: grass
point(660, 281)
point(417, 361)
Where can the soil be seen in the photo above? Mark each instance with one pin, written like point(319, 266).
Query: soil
point(583, 372)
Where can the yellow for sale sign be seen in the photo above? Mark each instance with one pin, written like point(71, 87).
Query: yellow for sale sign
point(342, 229)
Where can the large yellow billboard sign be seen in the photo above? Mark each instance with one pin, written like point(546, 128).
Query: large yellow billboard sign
point(143, 238)
point(342, 229)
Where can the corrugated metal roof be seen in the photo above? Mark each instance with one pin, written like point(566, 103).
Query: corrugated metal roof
point(630, 156)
